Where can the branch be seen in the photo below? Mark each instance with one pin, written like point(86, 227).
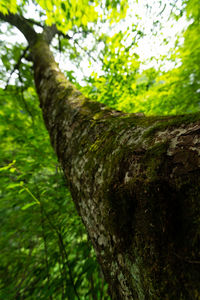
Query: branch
point(85, 50)
point(17, 65)
point(22, 24)
point(34, 22)
point(49, 32)
point(160, 13)
point(66, 36)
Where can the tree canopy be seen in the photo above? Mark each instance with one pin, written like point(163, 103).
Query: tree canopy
point(45, 252)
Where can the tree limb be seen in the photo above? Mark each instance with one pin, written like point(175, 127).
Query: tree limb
point(21, 23)
point(27, 30)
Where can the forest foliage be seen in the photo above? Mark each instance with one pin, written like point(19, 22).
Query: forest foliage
point(44, 249)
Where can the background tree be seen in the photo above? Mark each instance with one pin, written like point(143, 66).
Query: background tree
point(134, 180)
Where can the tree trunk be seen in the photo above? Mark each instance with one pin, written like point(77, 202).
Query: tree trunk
point(135, 182)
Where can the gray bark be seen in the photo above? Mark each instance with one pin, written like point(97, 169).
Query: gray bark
point(135, 182)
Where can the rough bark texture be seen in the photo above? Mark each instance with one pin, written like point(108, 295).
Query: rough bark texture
point(135, 182)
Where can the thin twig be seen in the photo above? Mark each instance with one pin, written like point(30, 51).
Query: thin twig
point(188, 260)
point(16, 66)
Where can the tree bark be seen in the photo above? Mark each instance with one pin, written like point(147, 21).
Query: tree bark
point(135, 182)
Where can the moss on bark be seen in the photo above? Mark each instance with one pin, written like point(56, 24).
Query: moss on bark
point(135, 182)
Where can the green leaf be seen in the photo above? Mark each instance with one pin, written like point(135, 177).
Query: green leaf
point(8, 166)
point(63, 6)
point(13, 185)
point(28, 205)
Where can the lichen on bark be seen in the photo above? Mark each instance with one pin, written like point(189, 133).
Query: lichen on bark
point(135, 183)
